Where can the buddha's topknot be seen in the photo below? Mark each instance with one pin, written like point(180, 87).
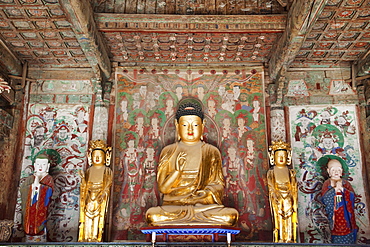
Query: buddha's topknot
point(189, 108)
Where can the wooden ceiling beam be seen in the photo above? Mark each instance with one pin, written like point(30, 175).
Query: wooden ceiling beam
point(362, 67)
point(111, 22)
point(301, 18)
point(10, 62)
point(81, 15)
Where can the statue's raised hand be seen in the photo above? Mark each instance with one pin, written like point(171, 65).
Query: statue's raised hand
point(180, 161)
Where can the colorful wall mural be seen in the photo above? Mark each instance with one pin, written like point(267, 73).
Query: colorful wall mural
point(317, 134)
point(233, 101)
point(58, 122)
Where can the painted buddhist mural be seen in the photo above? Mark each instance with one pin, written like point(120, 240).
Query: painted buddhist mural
point(59, 125)
point(320, 134)
point(145, 105)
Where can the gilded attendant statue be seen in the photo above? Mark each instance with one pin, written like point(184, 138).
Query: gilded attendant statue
point(283, 193)
point(190, 177)
point(94, 192)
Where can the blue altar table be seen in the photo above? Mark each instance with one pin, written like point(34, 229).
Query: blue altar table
point(186, 233)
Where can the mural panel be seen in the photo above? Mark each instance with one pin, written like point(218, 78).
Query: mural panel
point(64, 128)
point(317, 134)
point(235, 122)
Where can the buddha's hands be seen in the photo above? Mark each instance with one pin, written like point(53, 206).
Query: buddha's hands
point(180, 161)
point(200, 194)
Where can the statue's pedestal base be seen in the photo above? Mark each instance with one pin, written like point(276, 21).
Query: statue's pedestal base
point(196, 233)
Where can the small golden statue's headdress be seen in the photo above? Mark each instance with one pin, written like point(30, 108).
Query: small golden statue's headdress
point(100, 145)
point(280, 145)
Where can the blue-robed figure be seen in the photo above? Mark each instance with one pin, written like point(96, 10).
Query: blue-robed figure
point(338, 197)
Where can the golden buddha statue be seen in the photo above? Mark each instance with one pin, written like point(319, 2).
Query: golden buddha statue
point(283, 193)
point(190, 177)
point(94, 192)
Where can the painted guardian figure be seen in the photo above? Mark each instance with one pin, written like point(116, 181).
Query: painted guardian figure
point(94, 192)
point(283, 193)
point(190, 176)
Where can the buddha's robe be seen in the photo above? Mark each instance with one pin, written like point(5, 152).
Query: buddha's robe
point(194, 195)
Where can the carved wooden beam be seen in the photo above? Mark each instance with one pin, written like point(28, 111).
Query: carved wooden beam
point(10, 62)
point(108, 22)
point(363, 65)
point(301, 18)
point(81, 15)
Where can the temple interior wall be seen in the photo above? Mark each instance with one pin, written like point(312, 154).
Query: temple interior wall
point(65, 111)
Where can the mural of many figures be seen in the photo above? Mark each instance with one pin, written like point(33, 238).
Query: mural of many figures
point(146, 101)
point(320, 134)
point(60, 126)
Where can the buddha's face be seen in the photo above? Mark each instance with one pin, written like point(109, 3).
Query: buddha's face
point(98, 157)
point(190, 128)
point(280, 158)
point(335, 170)
point(41, 166)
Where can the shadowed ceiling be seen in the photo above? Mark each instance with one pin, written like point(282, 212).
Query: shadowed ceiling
point(103, 34)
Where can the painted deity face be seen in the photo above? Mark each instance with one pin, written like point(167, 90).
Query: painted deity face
point(232, 153)
point(150, 153)
point(226, 122)
point(131, 143)
point(190, 128)
point(80, 116)
point(211, 104)
point(49, 115)
point(280, 158)
point(241, 122)
point(169, 103)
point(124, 105)
point(41, 166)
point(63, 134)
point(328, 143)
point(143, 90)
point(230, 96)
point(178, 90)
point(140, 121)
point(98, 157)
point(341, 120)
point(250, 144)
point(200, 90)
point(236, 91)
point(155, 122)
point(221, 90)
point(325, 114)
point(335, 169)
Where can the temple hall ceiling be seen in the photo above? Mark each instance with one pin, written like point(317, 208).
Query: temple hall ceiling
point(103, 34)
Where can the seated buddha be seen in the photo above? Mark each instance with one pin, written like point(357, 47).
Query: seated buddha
point(190, 177)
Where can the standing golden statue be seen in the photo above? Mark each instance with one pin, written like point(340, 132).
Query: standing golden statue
point(94, 192)
point(283, 193)
point(190, 177)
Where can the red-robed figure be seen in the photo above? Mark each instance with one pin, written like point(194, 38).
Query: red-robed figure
point(36, 192)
